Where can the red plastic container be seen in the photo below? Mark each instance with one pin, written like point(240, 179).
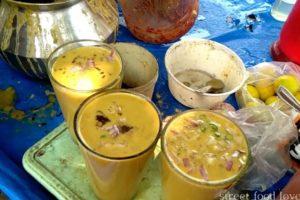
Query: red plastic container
point(287, 48)
point(159, 21)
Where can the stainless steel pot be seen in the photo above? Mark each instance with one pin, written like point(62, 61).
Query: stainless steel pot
point(29, 32)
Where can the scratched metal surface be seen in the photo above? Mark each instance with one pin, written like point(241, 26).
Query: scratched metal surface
point(219, 20)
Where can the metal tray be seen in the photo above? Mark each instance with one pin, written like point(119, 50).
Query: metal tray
point(55, 162)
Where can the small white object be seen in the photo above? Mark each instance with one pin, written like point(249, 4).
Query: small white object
point(206, 56)
point(296, 152)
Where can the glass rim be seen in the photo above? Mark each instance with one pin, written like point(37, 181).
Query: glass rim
point(98, 94)
point(186, 177)
point(52, 58)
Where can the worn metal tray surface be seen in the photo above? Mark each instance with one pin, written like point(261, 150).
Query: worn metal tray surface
point(55, 162)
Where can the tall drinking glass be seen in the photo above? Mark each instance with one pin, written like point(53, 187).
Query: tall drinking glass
point(79, 69)
point(117, 133)
point(203, 154)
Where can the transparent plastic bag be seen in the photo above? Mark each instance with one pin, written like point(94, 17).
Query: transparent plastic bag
point(270, 133)
point(262, 76)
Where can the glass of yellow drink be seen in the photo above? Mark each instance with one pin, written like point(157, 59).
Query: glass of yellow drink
point(79, 69)
point(117, 132)
point(203, 154)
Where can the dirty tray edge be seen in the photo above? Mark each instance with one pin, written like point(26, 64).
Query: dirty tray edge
point(36, 170)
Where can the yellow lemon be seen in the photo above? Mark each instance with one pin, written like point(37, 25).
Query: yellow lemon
point(265, 88)
point(265, 91)
point(270, 100)
point(297, 95)
point(251, 104)
point(290, 82)
point(252, 91)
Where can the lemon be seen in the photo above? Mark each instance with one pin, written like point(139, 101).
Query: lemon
point(265, 91)
point(297, 95)
point(270, 100)
point(253, 91)
point(290, 82)
point(265, 88)
point(251, 104)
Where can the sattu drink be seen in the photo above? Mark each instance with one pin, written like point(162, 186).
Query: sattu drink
point(203, 153)
point(79, 69)
point(117, 133)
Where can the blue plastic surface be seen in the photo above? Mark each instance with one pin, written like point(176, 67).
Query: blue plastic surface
point(224, 21)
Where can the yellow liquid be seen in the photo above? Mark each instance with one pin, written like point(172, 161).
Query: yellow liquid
point(87, 68)
point(117, 125)
point(79, 73)
point(206, 152)
point(126, 131)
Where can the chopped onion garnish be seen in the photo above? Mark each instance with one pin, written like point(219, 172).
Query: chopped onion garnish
point(203, 172)
point(242, 151)
point(75, 68)
point(111, 55)
point(113, 130)
point(194, 151)
point(186, 162)
point(235, 154)
point(118, 110)
point(90, 63)
point(210, 158)
point(194, 123)
point(211, 140)
point(229, 164)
